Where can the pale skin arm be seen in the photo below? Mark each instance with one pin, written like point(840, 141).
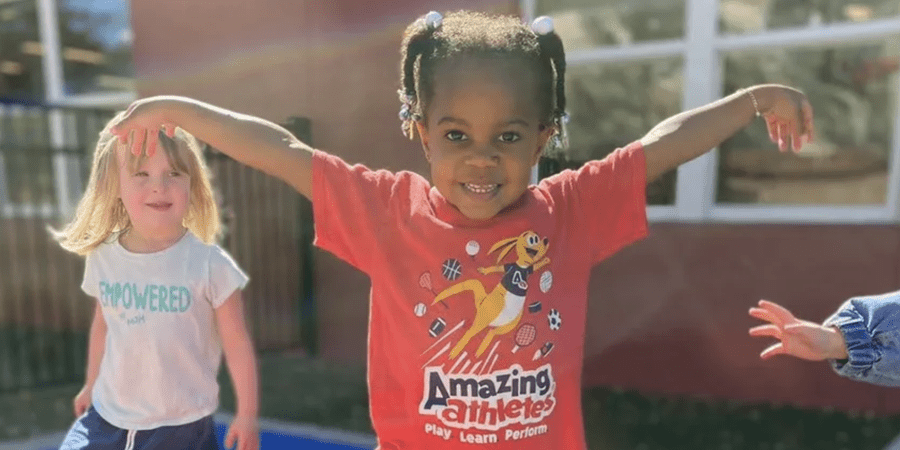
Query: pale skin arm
point(241, 361)
point(251, 140)
point(96, 347)
point(799, 338)
point(685, 136)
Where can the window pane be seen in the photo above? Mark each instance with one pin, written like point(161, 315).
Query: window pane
point(96, 46)
point(753, 16)
point(612, 105)
point(592, 23)
point(21, 76)
point(25, 147)
point(853, 90)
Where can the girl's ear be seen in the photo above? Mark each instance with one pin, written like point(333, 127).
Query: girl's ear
point(420, 128)
point(546, 132)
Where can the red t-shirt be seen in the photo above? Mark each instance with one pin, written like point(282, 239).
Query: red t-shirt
point(476, 331)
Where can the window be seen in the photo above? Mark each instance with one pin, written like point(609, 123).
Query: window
point(64, 64)
point(21, 72)
point(594, 23)
point(95, 37)
point(755, 16)
point(854, 94)
point(614, 104)
point(633, 63)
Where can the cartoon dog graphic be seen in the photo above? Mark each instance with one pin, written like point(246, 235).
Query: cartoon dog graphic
point(502, 308)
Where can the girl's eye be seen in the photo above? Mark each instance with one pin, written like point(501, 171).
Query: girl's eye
point(174, 173)
point(140, 174)
point(509, 137)
point(455, 135)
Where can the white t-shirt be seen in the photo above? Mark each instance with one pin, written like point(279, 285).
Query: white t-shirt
point(162, 350)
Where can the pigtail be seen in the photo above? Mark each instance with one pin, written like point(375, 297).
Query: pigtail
point(417, 42)
point(552, 50)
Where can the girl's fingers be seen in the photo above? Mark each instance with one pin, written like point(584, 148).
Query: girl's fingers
point(809, 128)
point(784, 132)
point(772, 126)
point(796, 141)
point(137, 142)
point(152, 140)
point(766, 330)
point(782, 313)
point(775, 349)
point(229, 440)
point(764, 314)
point(170, 129)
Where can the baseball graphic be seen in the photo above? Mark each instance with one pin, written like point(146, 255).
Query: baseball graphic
point(472, 248)
point(420, 309)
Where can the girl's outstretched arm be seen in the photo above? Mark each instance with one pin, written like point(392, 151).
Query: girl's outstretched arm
point(241, 361)
point(251, 140)
point(96, 347)
point(685, 136)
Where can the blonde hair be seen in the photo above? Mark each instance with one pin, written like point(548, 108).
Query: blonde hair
point(101, 213)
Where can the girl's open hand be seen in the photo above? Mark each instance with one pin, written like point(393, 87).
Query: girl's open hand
point(243, 434)
point(82, 401)
point(788, 115)
point(139, 126)
point(798, 338)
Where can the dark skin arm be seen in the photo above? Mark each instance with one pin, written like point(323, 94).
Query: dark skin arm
point(685, 136)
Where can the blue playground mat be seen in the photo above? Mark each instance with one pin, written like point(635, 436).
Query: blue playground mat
point(273, 435)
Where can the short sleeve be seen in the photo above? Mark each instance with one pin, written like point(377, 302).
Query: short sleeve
point(225, 276)
point(352, 208)
point(90, 283)
point(605, 200)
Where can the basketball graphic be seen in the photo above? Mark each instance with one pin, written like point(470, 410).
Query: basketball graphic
point(525, 336)
point(451, 269)
point(554, 319)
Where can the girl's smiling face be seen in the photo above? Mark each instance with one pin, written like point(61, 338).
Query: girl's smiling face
point(156, 195)
point(482, 133)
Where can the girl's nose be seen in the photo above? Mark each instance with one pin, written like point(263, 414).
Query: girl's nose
point(486, 156)
point(159, 184)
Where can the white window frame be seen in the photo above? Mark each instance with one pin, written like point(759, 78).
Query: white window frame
point(66, 174)
point(701, 49)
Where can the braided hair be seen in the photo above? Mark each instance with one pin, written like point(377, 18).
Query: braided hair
point(433, 39)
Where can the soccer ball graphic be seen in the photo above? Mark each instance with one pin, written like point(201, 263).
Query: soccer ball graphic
point(554, 319)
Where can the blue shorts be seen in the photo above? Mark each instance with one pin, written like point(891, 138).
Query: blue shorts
point(92, 432)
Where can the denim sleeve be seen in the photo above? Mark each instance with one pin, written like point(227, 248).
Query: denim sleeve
point(871, 328)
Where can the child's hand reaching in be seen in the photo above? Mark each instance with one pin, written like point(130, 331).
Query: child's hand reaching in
point(142, 122)
point(244, 431)
point(799, 338)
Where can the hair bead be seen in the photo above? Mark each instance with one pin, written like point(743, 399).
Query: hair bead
point(542, 25)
